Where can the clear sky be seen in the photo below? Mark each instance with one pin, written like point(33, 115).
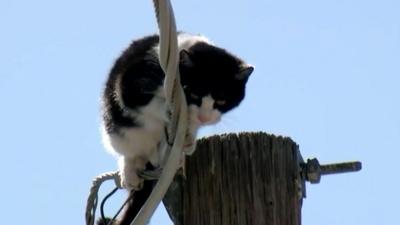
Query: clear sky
point(327, 75)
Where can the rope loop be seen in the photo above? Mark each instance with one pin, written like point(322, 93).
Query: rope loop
point(93, 198)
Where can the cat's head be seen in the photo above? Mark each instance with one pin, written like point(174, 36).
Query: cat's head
point(213, 80)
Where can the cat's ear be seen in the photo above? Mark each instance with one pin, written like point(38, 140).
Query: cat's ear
point(244, 72)
point(185, 58)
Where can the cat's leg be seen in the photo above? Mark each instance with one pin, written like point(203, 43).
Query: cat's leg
point(130, 168)
point(190, 143)
point(156, 156)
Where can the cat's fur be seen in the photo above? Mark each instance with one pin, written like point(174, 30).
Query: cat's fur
point(134, 109)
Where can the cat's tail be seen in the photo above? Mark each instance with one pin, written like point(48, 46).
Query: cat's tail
point(132, 208)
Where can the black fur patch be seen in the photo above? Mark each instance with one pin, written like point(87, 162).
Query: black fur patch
point(138, 74)
point(212, 71)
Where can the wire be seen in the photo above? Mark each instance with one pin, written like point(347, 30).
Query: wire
point(104, 201)
point(175, 99)
point(120, 209)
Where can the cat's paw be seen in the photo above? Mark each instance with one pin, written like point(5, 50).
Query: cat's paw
point(189, 147)
point(130, 170)
point(130, 180)
point(190, 144)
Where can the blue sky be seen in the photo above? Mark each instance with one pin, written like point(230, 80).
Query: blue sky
point(327, 75)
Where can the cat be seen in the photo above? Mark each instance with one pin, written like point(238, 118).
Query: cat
point(134, 106)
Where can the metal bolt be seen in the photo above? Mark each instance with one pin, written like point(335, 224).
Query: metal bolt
point(312, 170)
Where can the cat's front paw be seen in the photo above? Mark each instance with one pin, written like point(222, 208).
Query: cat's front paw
point(189, 146)
point(130, 180)
point(190, 140)
point(130, 170)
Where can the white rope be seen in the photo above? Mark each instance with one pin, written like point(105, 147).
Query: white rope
point(93, 199)
point(169, 60)
point(175, 98)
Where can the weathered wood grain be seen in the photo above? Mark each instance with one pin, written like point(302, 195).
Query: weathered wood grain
point(238, 179)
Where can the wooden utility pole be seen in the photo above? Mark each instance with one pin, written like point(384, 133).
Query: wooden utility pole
point(245, 179)
point(239, 179)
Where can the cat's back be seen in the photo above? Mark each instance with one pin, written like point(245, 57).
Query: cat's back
point(132, 81)
point(138, 51)
point(146, 49)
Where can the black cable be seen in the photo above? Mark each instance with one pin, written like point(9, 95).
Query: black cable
point(104, 201)
point(120, 209)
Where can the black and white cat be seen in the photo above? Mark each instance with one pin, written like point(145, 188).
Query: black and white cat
point(134, 108)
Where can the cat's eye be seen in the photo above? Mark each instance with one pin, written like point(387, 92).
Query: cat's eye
point(220, 102)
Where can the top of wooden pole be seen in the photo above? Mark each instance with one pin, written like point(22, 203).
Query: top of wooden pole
point(246, 178)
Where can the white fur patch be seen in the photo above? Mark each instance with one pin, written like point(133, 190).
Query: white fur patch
point(154, 112)
point(207, 113)
point(185, 41)
point(200, 116)
point(141, 141)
